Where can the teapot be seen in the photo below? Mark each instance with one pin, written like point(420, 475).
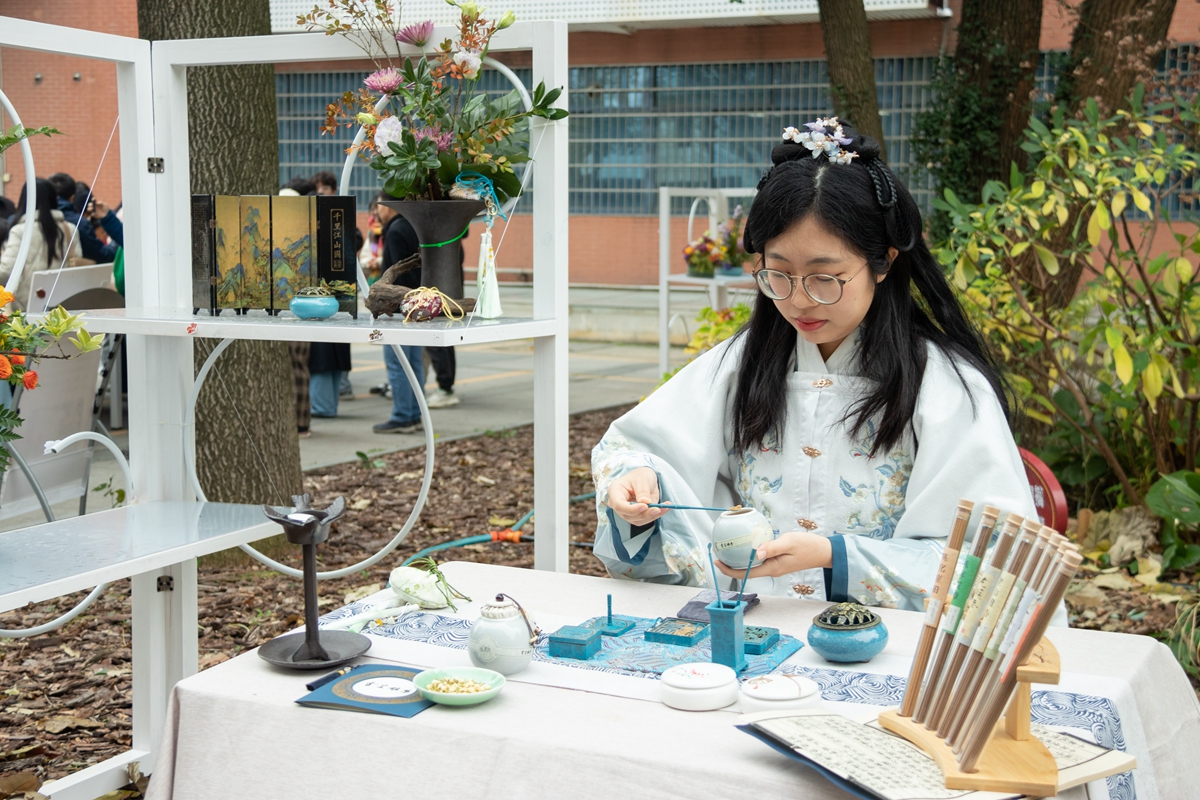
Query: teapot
point(737, 535)
point(503, 637)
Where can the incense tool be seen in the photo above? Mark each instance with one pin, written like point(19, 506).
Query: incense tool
point(614, 626)
point(690, 508)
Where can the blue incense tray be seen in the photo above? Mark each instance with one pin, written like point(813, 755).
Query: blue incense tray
point(760, 639)
point(575, 641)
point(672, 630)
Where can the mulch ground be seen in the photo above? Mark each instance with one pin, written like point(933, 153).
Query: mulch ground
point(65, 701)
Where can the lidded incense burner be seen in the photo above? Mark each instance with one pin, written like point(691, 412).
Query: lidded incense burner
point(738, 534)
point(847, 632)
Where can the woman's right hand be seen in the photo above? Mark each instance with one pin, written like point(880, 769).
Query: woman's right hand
point(629, 494)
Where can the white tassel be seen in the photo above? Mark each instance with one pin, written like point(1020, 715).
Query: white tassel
point(487, 305)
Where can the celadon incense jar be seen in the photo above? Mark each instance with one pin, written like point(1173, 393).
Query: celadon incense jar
point(738, 534)
point(501, 638)
point(847, 632)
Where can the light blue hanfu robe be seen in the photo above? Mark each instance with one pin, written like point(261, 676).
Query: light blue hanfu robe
point(887, 517)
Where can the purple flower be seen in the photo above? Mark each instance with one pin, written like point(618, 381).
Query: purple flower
point(443, 139)
point(384, 81)
point(417, 34)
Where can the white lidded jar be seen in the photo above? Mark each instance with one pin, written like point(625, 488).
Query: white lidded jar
point(502, 638)
point(738, 534)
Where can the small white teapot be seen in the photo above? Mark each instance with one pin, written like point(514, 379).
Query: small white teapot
point(738, 534)
point(503, 637)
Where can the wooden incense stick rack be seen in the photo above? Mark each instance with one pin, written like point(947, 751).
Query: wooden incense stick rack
point(1013, 759)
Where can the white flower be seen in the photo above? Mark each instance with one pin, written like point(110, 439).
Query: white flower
point(790, 134)
point(470, 63)
point(843, 157)
point(388, 130)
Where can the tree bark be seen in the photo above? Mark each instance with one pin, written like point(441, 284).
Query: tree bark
point(247, 450)
point(851, 66)
point(1115, 45)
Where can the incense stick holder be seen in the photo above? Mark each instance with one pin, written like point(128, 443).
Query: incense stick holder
point(1013, 759)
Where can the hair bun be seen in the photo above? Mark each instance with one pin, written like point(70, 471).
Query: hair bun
point(789, 151)
point(866, 147)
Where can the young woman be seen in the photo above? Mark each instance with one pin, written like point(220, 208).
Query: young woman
point(49, 236)
point(854, 409)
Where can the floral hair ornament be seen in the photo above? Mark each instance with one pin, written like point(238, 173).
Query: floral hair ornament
point(823, 137)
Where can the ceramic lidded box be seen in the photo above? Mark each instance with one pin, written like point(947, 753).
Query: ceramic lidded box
point(738, 534)
point(501, 639)
point(847, 632)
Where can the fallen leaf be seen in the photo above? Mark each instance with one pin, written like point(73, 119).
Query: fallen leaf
point(1149, 568)
point(485, 480)
point(70, 652)
point(19, 782)
point(360, 593)
point(1166, 599)
point(326, 601)
point(359, 505)
point(1115, 580)
point(1089, 596)
point(63, 723)
point(500, 522)
point(22, 752)
point(408, 476)
point(212, 659)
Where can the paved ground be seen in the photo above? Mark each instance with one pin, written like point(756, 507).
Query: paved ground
point(613, 360)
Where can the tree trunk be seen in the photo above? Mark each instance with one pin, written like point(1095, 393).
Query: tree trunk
point(851, 66)
point(996, 60)
point(247, 450)
point(1115, 45)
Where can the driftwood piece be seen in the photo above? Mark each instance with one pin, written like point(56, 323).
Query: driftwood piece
point(386, 295)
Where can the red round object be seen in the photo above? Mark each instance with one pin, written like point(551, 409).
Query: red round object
point(1048, 495)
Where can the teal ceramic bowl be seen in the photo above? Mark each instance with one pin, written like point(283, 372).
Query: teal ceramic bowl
point(847, 633)
point(494, 680)
point(314, 307)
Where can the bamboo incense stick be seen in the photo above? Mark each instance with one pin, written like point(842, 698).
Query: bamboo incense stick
point(1016, 596)
point(985, 582)
point(941, 585)
point(966, 579)
point(1022, 646)
point(967, 691)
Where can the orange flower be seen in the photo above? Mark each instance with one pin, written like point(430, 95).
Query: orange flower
point(17, 360)
point(5, 297)
point(5, 368)
point(30, 380)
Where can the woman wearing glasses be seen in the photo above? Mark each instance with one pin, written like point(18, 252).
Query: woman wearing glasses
point(854, 410)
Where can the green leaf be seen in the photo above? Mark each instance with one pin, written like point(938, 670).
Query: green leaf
point(1049, 262)
point(1018, 248)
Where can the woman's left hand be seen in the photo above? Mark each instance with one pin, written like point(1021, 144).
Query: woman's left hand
point(791, 552)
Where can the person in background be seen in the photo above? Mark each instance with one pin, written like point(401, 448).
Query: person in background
point(93, 248)
point(7, 210)
point(444, 366)
point(399, 242)
point(326, 182)
point(298, 187)
point(3, 232)
point(50, 236)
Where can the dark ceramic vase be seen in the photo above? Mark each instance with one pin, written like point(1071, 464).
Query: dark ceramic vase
point(436, 222)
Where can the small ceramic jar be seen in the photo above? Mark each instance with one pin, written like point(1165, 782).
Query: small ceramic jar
point(502, 638)
point(699, 686)
point(777, 692)
point(313, 306)
point(847, 632)
point(737, 535)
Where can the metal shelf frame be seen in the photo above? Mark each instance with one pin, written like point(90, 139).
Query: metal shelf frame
point(152, 104)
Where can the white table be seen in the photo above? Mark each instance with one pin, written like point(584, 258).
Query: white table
point(235, 730)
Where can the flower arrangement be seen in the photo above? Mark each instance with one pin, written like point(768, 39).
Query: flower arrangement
point(23, 344)
point(436, 124)
point(720, 254)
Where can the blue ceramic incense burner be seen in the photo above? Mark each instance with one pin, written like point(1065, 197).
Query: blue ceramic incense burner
point(313, 307)
point(847, 632)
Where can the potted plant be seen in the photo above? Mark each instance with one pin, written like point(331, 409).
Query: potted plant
point(435, 126)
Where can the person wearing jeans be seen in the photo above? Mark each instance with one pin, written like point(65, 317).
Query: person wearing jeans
point(406, 413)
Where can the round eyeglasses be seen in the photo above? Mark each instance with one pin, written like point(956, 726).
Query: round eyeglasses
point(823, 289)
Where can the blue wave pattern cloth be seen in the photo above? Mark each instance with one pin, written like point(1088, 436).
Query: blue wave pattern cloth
point(1096, 715)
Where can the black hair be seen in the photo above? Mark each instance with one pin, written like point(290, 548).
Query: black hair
point(303, 186)
point(83, 194)
point(325, 178)
point(45, 202)
point(64, 185)
point(3, 231)
point(865, 205)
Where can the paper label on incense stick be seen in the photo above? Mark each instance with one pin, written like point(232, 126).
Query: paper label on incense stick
point(966, 581)
point(979, 595)
point(933, 612)
point(941, 584)
point(1010, 660)
point(1006, 618)
point(1020, 619)
point(992, 612)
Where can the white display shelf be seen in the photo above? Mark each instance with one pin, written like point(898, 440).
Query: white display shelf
point(342, 327)
point(50, 560)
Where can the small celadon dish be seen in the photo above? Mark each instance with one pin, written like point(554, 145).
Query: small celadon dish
point(494, 680)
point(313, 306)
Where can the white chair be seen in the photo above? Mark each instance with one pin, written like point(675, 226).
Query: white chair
point(52, 286)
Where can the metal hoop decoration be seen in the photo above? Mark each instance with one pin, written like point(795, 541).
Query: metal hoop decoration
point(14, 278)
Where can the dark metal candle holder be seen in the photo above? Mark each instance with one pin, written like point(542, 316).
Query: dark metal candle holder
point(312, 649)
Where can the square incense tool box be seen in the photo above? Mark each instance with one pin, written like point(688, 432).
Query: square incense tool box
point(575, 641)
point(672, 630)
point(759, 639)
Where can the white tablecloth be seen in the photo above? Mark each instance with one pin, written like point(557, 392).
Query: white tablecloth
point(236, 731)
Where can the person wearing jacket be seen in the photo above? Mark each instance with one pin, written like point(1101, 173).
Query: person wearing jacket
point(93, 248)
point(50, 236)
